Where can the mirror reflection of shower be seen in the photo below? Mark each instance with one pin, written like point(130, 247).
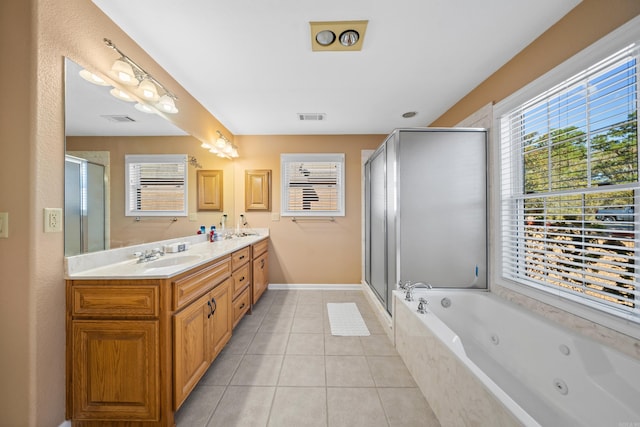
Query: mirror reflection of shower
point(85, 219)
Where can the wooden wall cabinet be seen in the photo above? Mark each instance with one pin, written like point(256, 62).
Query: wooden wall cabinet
point(257, 190)
point(209, 190)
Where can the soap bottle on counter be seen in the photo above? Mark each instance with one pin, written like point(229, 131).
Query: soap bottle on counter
point(212, 234)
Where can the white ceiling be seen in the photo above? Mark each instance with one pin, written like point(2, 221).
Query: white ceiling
point(251, 65)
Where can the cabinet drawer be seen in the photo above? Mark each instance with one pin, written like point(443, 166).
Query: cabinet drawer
point(260, 247)
point(241, 278)
point(241, 305)
point(190, 287)
point(115, 301)
point(238, 258)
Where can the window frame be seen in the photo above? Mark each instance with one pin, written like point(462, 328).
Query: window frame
point(294, 158)
point(623, 322)
point(131, 159)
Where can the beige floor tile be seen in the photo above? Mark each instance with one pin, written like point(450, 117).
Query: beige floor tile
point(343, 346)
point(354, 407)
point(308, 309)
point(197, 409)
point(243, 406)
point(378, 345)
point(299, 407)
point(310, 344)
point(276, 324)
point(258, 370)
point(268, 343)
point(286, 309)
point(222, 369)
point(390, 371)
point(302, 371)
point(406, 407)
point(348, 371)
point(307, 325)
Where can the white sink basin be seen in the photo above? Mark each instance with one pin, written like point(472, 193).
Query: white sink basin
point(173, 261)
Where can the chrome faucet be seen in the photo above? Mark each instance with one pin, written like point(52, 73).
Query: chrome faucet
point(409, 289)
point(422, 309)
point(403, 285)
point(148, 255)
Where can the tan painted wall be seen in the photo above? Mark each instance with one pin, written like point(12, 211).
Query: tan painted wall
point(35, 35)
point(308, 252)
point(124, 230)
point(17, 340)
point(585, 24)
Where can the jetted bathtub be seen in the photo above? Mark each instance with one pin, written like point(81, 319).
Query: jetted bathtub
point(481, 360)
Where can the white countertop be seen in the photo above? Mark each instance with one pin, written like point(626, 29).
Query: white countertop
point(121, 264)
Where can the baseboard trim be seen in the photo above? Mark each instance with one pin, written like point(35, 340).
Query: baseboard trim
point(315, 287)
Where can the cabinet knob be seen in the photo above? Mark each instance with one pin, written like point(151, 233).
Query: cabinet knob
point(215, 306)
point(262, 263)
point(241, 257)
point(242, 306)
point(210, 310)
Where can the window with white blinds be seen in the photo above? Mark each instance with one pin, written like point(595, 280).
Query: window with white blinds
point(312, 184)
point(569, 183)
point(156, 185)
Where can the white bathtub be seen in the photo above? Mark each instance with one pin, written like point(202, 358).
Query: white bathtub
point(485, 361)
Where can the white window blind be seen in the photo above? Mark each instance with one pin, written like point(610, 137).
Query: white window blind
point(156, 185)
point(569, 178)
point(312, 184)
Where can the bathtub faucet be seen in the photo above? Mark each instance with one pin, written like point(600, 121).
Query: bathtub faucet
point(422, 305)
point(409, 289)
point(403, 285)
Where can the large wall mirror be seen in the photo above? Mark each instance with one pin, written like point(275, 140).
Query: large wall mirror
point(100, 130)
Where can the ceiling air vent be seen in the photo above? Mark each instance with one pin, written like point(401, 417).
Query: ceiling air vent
point(119, 118)
point(312, 116)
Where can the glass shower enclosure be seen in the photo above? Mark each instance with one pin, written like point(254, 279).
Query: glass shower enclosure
point(426, 210)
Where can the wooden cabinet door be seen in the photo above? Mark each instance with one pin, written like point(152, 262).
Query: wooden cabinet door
point(115, 370)
point(191, 358)
point(222, 321)
point(260, 275)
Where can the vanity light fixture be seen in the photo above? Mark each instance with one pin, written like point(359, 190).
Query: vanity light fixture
point(126, 71)
point(222, 147)
point(337, 35)
point(93, 78)
point(121, 94)
point(145, 108)
point(147, 90)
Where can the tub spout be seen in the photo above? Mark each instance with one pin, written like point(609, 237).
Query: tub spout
point(409, 289)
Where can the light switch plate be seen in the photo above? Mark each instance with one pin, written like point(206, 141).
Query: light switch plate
point(193, 217)
point(4, 225)
point(275, 216)
point(52, 220)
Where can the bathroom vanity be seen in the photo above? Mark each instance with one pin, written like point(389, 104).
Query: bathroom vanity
point(139, 337)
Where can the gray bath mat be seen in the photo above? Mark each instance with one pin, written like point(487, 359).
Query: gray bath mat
point(346, 320)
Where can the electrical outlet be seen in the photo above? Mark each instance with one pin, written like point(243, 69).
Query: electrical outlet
point(4, 225)
point(52, 220)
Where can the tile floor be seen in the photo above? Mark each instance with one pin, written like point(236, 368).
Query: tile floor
point(283, 368)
